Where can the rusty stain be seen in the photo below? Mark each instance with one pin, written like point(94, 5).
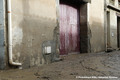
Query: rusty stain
point(9, 12)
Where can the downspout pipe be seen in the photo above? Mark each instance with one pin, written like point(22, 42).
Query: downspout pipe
point(10, 35)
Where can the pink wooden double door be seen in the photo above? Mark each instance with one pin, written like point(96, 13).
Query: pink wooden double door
point(69, 29)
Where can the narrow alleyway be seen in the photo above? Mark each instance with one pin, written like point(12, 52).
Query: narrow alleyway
point(93, 64)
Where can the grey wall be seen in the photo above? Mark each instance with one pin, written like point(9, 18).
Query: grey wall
point(33, 23)
point(2, 52)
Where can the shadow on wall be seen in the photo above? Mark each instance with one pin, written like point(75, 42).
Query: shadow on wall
point(36, 30)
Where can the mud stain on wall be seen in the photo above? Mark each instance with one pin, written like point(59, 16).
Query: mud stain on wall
point(34, 26)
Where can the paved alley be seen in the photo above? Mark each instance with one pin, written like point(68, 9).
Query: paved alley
point(92, 64)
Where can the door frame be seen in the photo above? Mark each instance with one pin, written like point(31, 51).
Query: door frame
point(118, 31)
point(84, 28)
point(70, 47)
point(108, 30)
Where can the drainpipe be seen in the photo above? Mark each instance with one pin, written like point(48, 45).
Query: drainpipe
point(10, 35)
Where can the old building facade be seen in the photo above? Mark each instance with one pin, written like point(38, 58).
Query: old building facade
point(36, 32)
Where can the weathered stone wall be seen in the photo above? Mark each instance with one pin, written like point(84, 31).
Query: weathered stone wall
point(33, 23)
point(84, 40)
point(96, 25)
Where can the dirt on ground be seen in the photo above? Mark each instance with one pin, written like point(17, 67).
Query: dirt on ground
point(93, 66)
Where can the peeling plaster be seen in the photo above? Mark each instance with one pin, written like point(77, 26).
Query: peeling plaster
point(17, 36)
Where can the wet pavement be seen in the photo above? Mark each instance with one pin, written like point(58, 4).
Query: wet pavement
point(92, 65)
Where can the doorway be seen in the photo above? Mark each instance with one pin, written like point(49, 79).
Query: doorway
point(108, 30)
point(69, 28)
point(118, 31)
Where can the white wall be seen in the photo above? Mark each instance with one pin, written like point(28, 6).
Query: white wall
point(96, 25)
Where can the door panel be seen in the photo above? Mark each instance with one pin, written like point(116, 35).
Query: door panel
point(69, 29)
